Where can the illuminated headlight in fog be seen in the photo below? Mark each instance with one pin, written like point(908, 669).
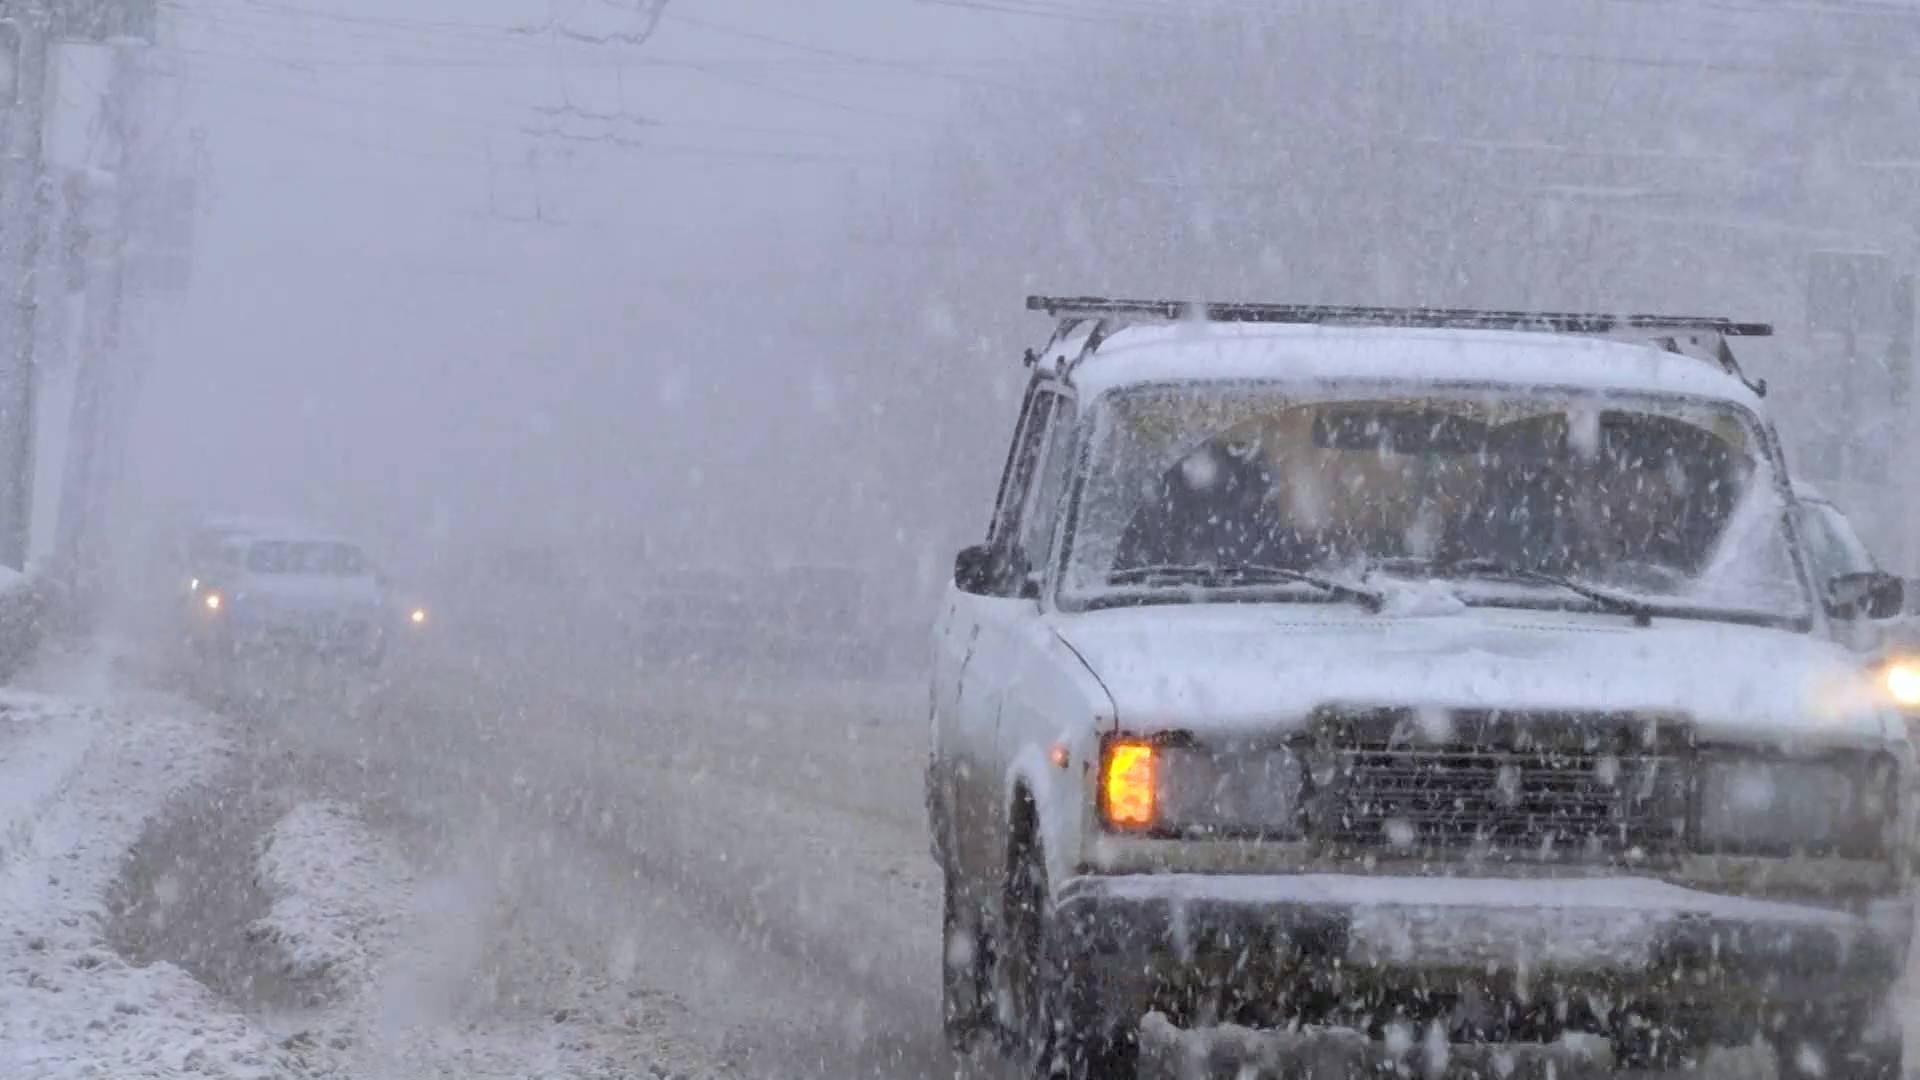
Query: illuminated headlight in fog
point(193, 586)
point(1902, 682)
point(1180, 788)
point(418, 616)
point(213, 601)
point(1760, 806)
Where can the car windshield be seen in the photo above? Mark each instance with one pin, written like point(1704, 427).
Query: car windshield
point(1667, 500)
point(310, 557)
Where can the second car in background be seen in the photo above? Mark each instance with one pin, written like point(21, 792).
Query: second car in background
point(293, 593)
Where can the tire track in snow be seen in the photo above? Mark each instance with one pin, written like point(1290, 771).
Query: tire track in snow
point(859, 1000)
point(70, 1006)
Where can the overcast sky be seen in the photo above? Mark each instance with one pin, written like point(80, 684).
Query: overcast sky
point(404, 297)
point(459, 264)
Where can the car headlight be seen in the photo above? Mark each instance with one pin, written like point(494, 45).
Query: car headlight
point(1173, 787)
point(1901, 680)
point(1765, 806)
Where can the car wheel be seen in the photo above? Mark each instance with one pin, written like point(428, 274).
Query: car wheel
point(965, 1003)
point(1057, 1030)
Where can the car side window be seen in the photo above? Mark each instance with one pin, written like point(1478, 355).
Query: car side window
point(1021, 457)
point(1050, 483)
point(1010, 535)
point(1831, 547)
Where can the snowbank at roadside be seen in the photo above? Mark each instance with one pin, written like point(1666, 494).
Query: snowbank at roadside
point(78, 782)
point(338, 891)
point(404, 957)
point(23, 605)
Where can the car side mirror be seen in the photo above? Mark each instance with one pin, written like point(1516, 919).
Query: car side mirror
point(973, 569)
point(1873, 595)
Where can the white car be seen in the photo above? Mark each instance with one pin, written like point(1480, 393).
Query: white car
point(292, 593)
point(1454, 678)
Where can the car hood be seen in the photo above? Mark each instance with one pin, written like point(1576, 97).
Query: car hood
point(298, 594)
point(1266, 667)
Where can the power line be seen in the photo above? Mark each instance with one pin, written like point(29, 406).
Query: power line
point(704, 70)
point(492, 57)
point(915, 67)
point(649, 11)
point(500, 40)
point(385, 23)
point(639, 147)
point(1061, 12)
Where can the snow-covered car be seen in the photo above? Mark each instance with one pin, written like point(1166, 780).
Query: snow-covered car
point(1446, 677)
point(294, 593)
point(200, 553)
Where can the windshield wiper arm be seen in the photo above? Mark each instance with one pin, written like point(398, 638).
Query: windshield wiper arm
point(1249, 574)
point(1603, 598)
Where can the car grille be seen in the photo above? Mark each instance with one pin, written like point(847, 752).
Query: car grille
point(319, 632)
point(1536, 785)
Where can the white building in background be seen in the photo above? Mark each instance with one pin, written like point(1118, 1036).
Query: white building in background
point(119, 236)
point(73, 123)
point(82, 151)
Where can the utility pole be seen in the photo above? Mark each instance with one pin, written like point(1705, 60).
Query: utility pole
point(28, 30)
point(92, 58)
point(25, 28)
point(110, 170)
point(98, 352)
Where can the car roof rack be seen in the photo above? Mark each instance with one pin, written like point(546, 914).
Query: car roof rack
point(1703, 336)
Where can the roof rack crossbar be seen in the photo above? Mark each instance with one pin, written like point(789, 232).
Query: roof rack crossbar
point(1561, 322)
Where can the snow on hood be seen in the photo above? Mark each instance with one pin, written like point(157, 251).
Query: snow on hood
point(311, 592)
point(1265, 667)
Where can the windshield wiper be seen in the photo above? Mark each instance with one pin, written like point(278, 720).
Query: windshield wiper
point(1220, 577)
point(1602, 598)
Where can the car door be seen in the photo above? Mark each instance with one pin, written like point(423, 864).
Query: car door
point(973, 650)
point(1020, 640)
point(1834, 549)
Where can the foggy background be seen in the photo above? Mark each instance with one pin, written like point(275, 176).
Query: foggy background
point(740, 287)
point(665, 351)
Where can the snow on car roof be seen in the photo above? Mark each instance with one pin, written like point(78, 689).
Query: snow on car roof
point(1220, 351)
point(295, 536)
point(244, 524)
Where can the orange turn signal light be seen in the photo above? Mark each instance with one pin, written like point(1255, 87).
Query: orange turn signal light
point(1127, 783)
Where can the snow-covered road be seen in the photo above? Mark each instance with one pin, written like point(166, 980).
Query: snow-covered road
point(471, 869)
point(754, 857)
point(80, 775)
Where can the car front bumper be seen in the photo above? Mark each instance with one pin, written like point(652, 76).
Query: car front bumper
point(1480, 953)
point(326, 635)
